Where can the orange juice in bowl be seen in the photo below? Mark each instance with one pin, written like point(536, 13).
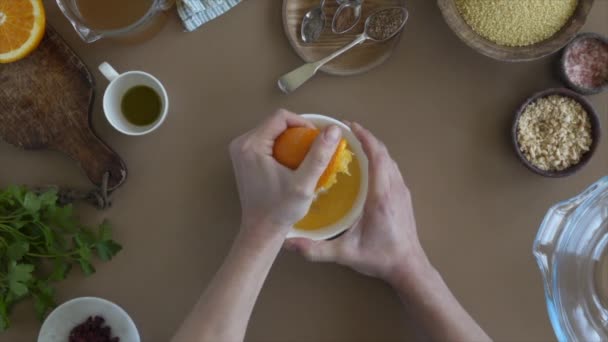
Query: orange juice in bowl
point(342, 188)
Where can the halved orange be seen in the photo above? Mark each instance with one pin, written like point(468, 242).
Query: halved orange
point(291, 147)
point(22, 24)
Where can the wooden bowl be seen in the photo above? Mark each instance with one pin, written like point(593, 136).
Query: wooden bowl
point(514, 54)
point(562, 65)
point(360, 59)
point(595, 132)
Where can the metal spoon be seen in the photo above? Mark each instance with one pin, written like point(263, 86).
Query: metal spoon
point(345, 5)
point(294, 79)
point(313, 24)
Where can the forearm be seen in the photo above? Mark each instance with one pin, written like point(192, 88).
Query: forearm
point(222, 312)
point(429, 300)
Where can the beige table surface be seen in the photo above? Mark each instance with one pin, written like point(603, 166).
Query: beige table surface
point(443, 110)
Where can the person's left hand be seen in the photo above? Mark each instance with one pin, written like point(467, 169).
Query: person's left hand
point(273, 197)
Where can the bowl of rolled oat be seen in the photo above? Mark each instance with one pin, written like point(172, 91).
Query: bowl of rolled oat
point(556, 132)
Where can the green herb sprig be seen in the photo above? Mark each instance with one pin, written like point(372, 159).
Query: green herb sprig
point(40, 240)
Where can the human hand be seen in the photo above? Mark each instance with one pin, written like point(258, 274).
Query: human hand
point(384, 242)
point(273, 197)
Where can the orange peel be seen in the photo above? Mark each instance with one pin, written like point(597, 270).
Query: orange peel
point(292, 146)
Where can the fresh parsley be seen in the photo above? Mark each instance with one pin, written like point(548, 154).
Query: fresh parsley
point(40, 241)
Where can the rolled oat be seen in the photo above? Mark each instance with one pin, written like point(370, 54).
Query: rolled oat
point(554, 132)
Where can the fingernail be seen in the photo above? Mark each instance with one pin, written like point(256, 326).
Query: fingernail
point(332, 134)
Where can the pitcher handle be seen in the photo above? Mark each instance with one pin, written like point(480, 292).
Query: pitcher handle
point(164, 5)
point(548, 238)
point(553, 226)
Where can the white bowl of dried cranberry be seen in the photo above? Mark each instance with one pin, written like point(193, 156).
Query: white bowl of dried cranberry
point(88, 319)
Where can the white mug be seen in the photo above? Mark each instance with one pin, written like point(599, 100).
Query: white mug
point(119, 85)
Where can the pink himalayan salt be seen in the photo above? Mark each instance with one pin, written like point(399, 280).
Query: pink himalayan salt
point(586, 63)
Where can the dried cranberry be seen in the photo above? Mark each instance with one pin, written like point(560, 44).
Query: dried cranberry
point(92, 330)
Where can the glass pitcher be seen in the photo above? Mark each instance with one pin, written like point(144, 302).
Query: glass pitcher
point(570, 249)
point(74, 11)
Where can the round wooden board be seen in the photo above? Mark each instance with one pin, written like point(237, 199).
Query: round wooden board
point(360, 59)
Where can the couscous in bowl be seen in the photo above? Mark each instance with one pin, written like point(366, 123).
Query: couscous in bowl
point(480, 18)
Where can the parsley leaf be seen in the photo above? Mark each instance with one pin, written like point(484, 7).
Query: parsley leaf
point(43, 298)
point(40, 241)
point(87, 267)
point(31, 203)
point(18, 276)
point(61, 268)
point(17, 250)
point(106, 250)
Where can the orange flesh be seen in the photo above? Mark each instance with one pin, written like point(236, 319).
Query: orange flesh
point(331, 206)
point(22, 25)
point(16, 23)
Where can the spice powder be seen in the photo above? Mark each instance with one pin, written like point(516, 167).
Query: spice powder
point(586, 63)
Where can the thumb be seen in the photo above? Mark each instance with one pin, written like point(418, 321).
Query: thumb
point(318, 157)
point(316, 251)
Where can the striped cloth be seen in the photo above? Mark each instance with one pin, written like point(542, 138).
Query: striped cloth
point(195, 13)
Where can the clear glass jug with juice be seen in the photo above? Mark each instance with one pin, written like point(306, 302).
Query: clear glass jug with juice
point(95, 19)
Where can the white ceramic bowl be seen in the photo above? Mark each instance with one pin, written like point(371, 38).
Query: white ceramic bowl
point(347, 221)
point(57, 326)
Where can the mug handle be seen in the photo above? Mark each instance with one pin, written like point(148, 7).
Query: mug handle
point(108, 71)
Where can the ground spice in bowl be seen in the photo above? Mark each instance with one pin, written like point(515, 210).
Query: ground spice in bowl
point(384, 24)
point(554, 133)
point(585, 63)
point(516, 22)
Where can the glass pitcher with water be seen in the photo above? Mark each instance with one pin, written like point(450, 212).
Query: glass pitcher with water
point(95, 19)
point(571, 251)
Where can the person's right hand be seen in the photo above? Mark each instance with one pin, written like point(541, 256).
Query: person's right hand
point(384, 242)
point(273, 197)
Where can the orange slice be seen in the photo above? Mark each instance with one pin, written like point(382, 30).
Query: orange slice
point(291, 148)
point(22, 24)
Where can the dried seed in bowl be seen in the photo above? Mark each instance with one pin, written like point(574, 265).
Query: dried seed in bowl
point(554, 132)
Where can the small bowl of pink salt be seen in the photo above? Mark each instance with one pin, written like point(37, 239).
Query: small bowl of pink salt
point(584, 63)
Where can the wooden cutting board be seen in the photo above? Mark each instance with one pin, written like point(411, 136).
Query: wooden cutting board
point(45, 103)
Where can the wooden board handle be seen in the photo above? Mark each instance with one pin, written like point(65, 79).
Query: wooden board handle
point(95, 158)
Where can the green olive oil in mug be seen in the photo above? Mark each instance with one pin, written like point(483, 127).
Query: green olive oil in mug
point(141, 105)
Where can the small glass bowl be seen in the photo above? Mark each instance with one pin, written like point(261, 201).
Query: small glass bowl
point(89, 35)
